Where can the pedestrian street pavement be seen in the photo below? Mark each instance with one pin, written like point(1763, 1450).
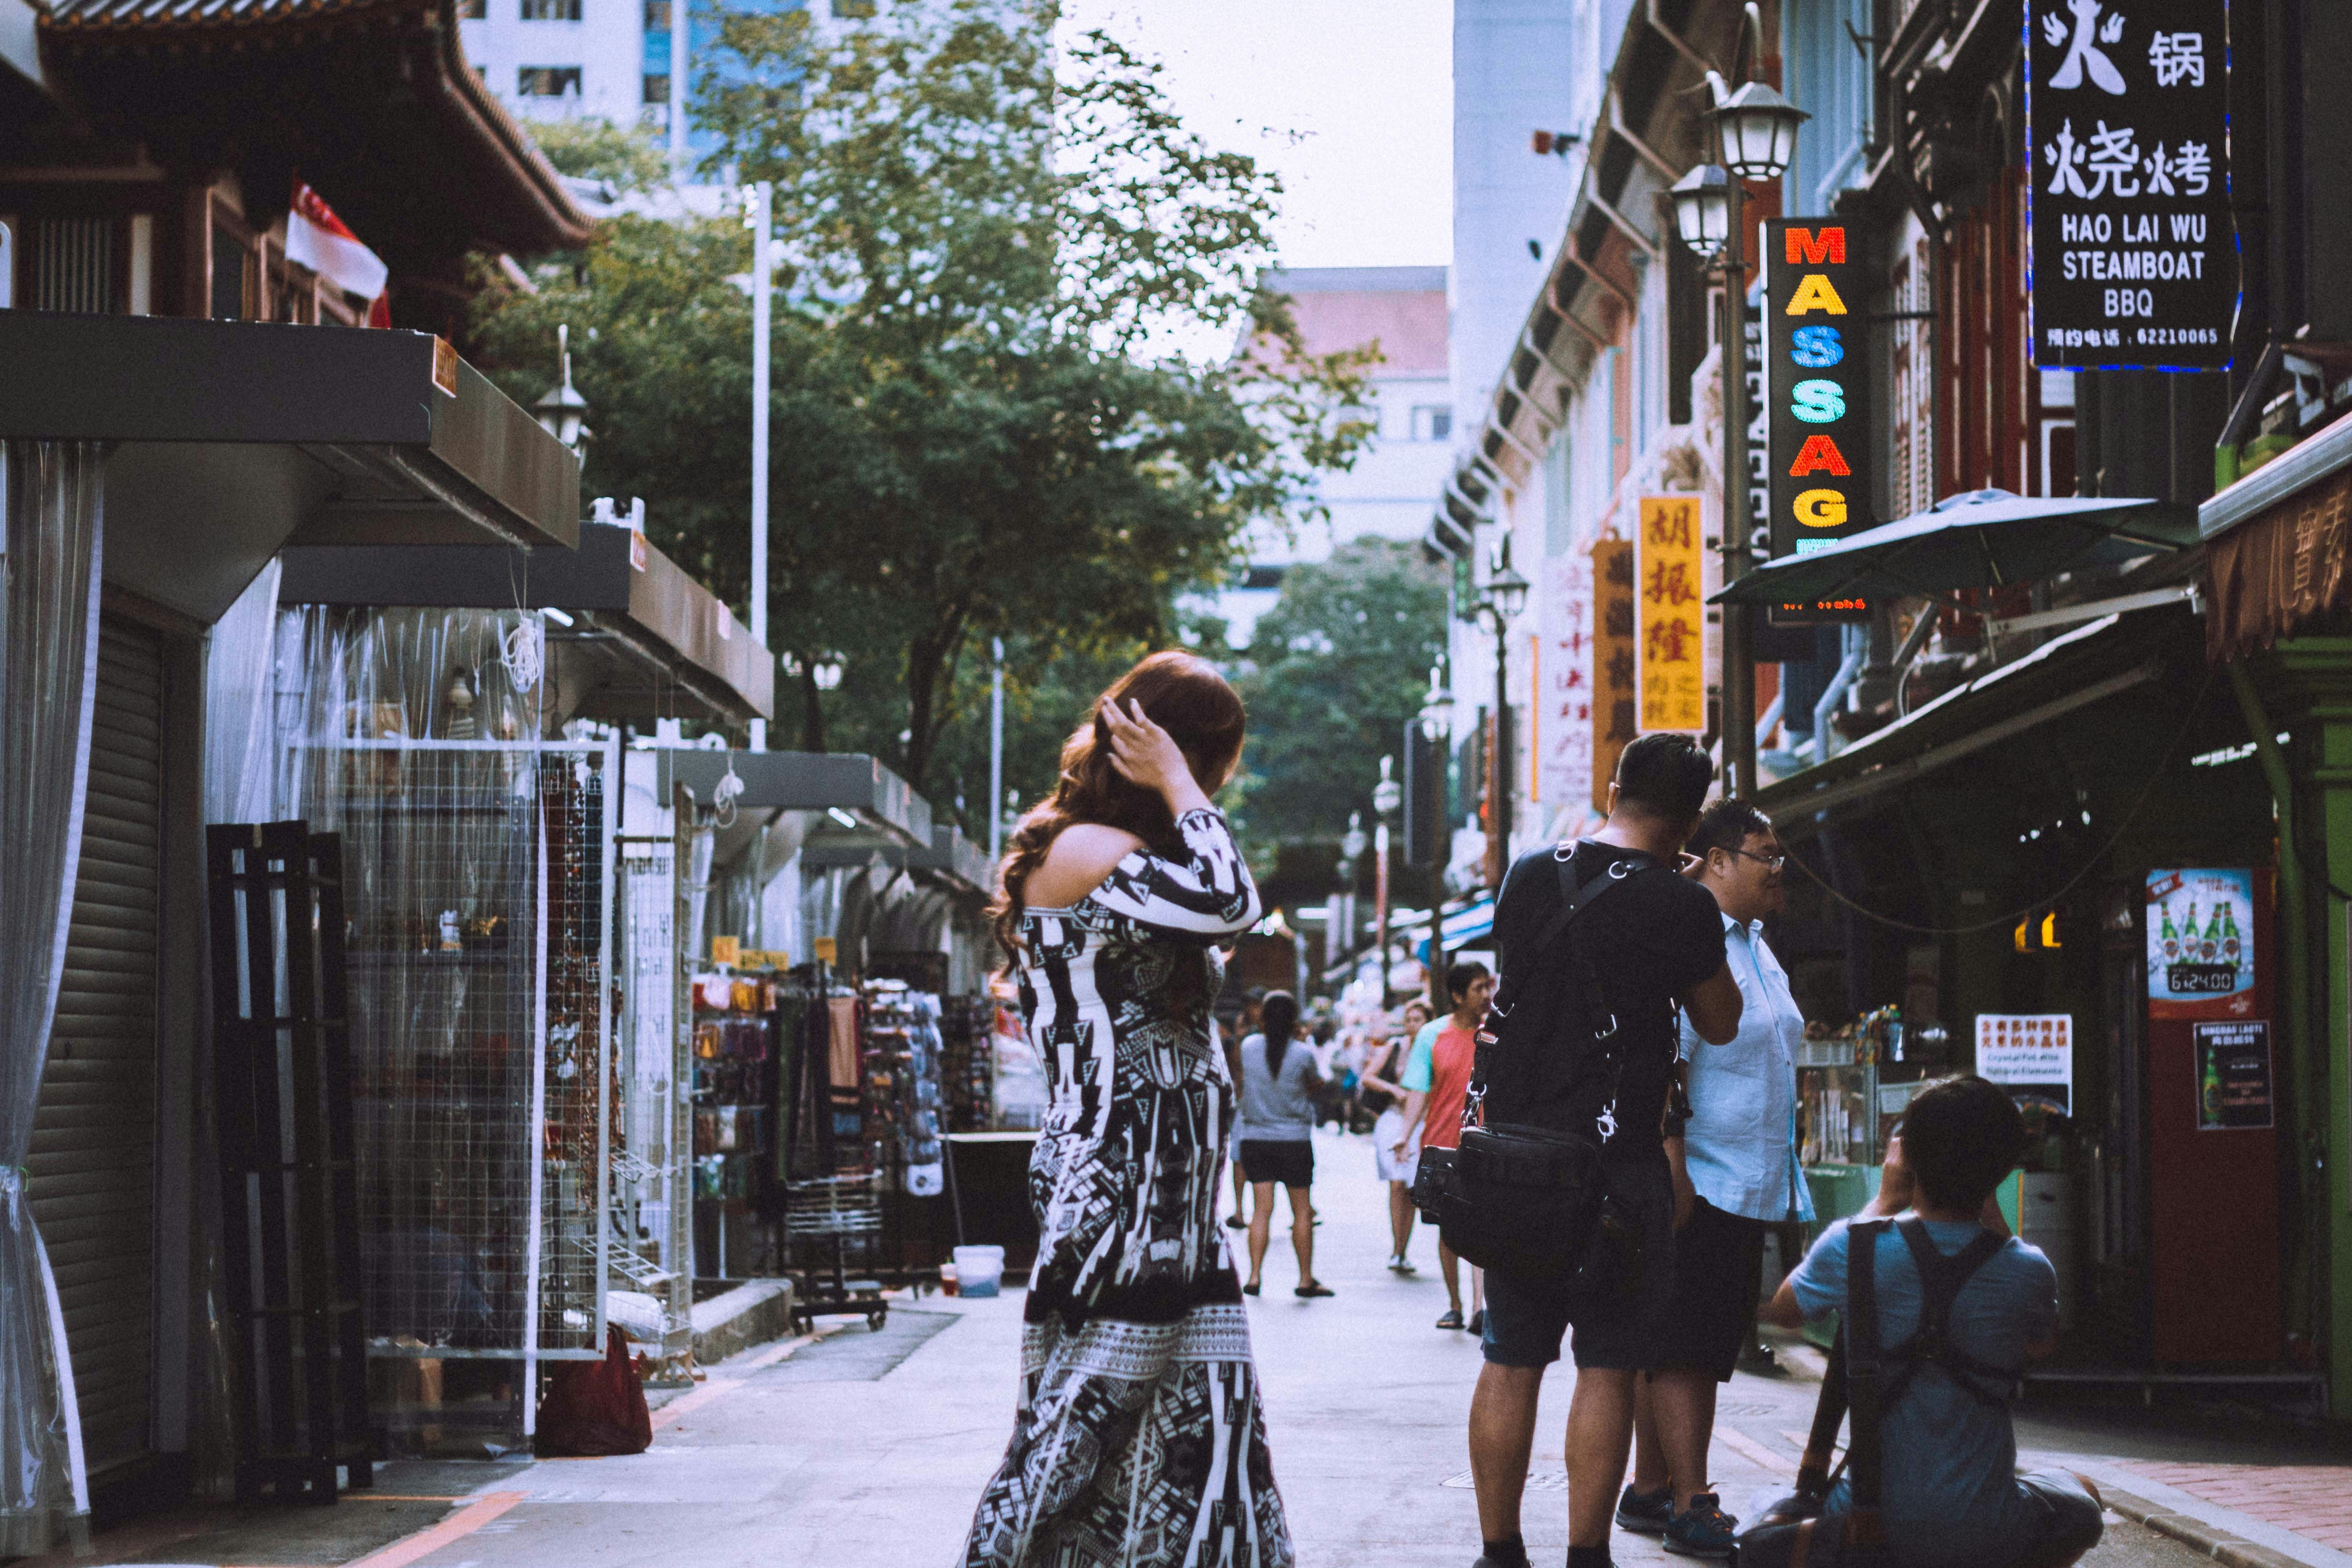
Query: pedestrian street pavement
point(867, 1450)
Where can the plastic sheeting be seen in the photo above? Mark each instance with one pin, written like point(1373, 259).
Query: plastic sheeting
point(51, 495)
point(476, 858)
point(238, 720)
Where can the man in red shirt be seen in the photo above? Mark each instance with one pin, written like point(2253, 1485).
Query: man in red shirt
point(1435, 1079)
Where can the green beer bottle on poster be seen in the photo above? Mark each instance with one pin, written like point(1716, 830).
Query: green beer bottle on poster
point(2230, 941)
point(2168, 937)
point(2210, 947)
point(2209, 1090)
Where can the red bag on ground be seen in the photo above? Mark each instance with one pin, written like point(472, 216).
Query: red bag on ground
point(595, 1407)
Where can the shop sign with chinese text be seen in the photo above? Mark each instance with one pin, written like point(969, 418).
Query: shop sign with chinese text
point(1564, 719)
point(1615, 698)
point(2200, 944)
point(1818, 461)
point(2028, 1051)
point(2132, 253)
point(1670, 615)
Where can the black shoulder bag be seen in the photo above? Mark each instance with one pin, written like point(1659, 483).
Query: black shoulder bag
point(1528, 1200)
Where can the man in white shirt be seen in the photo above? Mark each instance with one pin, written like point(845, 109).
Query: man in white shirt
point(1736, 1174)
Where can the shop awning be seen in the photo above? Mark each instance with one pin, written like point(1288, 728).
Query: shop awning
point(950, 855)
point(2276, 544)
point(868, 805)
point(648, 641)
point(231, 439)
point(1462, 926)
point(1985, 539)
point(2112, 655)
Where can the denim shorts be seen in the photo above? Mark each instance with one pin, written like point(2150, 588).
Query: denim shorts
point(1527, 1319)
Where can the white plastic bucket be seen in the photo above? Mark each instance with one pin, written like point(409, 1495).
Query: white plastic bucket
point(978, 1269)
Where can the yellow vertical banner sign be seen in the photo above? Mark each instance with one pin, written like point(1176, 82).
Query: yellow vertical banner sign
point(1670, 615)
point(1613, 693)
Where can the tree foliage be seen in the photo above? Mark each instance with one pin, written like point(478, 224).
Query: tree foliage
point(1333, 672)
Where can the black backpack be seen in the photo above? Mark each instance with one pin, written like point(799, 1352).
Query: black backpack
point(1531, 1201)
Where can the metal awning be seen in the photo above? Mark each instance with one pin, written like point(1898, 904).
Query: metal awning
point(231, 439)
point(1984, 539)
point(868, 805)
point(648, 641)
point(2089, 665)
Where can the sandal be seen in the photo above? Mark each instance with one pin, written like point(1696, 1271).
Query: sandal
point(1450, 1318)
point(1314, 1288)
point(1250, 1288)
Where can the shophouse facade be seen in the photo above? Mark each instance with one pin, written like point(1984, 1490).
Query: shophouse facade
point(1997, 798)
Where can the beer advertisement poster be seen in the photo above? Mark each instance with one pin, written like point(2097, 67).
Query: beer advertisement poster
point(2200, 935)
point(1820, 464)
point(2132, 256)
point(2234, 1075)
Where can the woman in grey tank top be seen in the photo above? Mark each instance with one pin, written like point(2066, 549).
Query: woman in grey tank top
point(1277, 1124)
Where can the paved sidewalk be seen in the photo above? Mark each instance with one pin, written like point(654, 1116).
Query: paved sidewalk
point(869, 1450)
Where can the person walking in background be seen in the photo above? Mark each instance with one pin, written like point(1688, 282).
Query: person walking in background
point(1735, 1173)
point(1394, 1159)
point(1279, 1084)
point(1139, 1414)
point(1253, 1000)
point(1436, 1078)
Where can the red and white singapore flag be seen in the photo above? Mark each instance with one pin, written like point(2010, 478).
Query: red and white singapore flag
point(321, 241)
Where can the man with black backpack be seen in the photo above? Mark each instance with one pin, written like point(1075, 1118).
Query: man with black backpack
point(1938, 1329)
point(1601, 945)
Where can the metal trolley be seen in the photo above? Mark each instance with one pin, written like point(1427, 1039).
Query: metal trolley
point(832, 1223)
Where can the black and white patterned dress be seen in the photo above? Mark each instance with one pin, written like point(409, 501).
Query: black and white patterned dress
point(1139, 1439)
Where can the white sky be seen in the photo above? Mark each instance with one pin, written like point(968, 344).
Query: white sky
point(1351, 100)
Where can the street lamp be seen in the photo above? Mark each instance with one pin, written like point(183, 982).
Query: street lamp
point(1499, 602)
point(1386, 796)
point(563, 412)
point(1756, 133)
point(1436, 707)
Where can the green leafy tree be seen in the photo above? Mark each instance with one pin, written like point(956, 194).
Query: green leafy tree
point(625, 156)
point(989, 236)
point(1333, 671)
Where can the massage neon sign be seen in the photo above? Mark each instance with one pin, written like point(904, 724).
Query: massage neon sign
point(1819, 457)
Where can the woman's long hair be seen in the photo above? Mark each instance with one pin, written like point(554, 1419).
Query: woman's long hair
point(1278, 1020)
point(1182, 694)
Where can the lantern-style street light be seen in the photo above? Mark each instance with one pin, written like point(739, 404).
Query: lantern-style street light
point(1756, 133)
point(1437, 707)
point(562, 413)
point(1500, 601)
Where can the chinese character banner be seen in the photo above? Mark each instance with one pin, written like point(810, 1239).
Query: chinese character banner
point(1670, 615)
point(1564, 763)
point(1614, 699)
point(2133, 254)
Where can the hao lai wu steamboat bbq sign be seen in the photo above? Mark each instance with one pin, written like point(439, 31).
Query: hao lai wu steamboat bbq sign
point(2134, 258)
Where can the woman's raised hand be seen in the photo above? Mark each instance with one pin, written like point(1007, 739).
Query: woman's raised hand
point(1145, 754)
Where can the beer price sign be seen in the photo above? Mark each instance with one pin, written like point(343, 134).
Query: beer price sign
point(2198, 950)
point(2132, 254)
point(1818, 451)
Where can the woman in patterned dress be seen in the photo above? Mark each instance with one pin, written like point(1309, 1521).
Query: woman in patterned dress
point(1138, 1438)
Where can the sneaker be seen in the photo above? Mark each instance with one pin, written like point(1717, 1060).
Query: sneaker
point(1646, 1515)
point(1450, 1318)
point(1702, 1530)
point(1758, 1361)
point(1400, 1264)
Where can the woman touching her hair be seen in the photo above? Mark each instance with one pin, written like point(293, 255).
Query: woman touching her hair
point(1139, 1416)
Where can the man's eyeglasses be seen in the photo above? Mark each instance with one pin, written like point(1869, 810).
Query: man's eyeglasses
point(1772, 862)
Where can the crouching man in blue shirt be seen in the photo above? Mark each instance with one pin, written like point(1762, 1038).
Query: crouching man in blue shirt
point(1951, 1494)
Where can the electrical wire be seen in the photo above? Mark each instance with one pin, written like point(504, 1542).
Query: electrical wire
point(2195, 708)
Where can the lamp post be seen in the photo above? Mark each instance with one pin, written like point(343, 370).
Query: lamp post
point(562, 413)
point(1499, 602)
point(1386, 796)
point(759, 213)
point(1437, 730)
point(1756, 133)
point(1351, 852)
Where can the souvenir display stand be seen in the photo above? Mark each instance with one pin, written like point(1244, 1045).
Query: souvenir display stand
point(832, 1185)
point(652, 1215)
point(734, 1091)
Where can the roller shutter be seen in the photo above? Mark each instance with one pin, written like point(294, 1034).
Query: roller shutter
point(93, 1159)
